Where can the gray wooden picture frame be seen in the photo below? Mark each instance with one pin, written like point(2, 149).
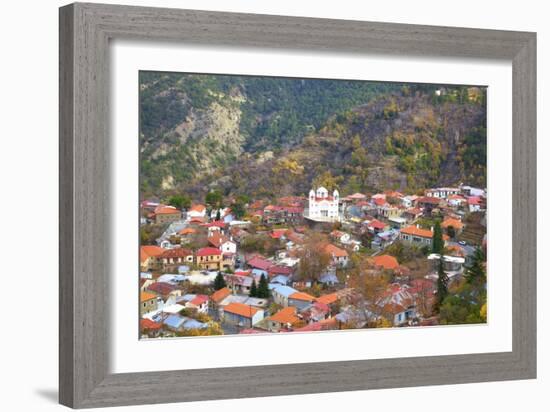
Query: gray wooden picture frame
point(85, 31)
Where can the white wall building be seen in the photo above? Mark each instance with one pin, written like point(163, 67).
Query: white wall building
point(322, 206)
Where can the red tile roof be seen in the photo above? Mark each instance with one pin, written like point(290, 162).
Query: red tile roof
point(259, 262)
point(208, 251)
point(376, 224)
point(149, 324)
point(199, 300)
point(162, 288)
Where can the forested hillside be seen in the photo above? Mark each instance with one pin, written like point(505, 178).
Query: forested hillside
point(266, 136)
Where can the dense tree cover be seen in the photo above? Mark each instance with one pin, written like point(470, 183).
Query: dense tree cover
point(467, 303)
point(179, 201)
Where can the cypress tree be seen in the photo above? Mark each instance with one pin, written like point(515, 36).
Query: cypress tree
point(219, 282)
point(263, 289)
point(442, 282)
point(437, 240)
point(253, 289)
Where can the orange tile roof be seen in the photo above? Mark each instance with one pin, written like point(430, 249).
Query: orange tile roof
point(147, 251)
point(457, 224)
point(286, 315)
point(386, 261)
point(302, 296)
point(335, 251)
point(166, 210)
point(187, 231)
point(328, 299)
point(415, 231)
point(240, 309)
point(220, 295)
point(145, 296)
point(197, 208)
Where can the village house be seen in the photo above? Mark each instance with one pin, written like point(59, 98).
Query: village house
point(171, 259)
point(150, 328)
point(148, 302)
point(193, 301)
point(223, 243)
point(260, 265)
point(286, 318)
point(456, 224)
point(375, 226)
point(218, 296)
point(165, 290)
point(339, 256)
point(242, 315)
point(281, 293)
point(148, 257)
point(196, 211)
point(428, 204)
point(442, 192)
point(412, 214)
point(339, 236)
point(414, 235)
point(179, 323)
point(398, 304)
point(474, 203)
point(166, 214)
point(387, 211)
point(300, 300)
point(238, 283)
point(456, 200)
point(209, 258)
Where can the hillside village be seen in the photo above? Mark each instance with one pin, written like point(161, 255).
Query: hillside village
point(315, 262)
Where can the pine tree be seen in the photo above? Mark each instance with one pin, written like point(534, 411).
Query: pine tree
point(253, 290)
point(475, 273)
point(442, 283)
point(219, 282)
point(437, 242)
point(263, 289)
point(218, 215)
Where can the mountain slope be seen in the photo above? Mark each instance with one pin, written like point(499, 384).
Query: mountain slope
point(267, 136)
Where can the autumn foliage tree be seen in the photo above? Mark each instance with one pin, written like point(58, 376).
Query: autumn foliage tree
point(314, 259)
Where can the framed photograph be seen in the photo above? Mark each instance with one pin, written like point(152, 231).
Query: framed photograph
point(310, 205)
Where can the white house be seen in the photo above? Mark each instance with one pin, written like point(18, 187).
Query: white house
point(196, 211)
point(442, 192)
point(322, 206)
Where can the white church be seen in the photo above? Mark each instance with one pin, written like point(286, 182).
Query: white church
point(322, 206)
